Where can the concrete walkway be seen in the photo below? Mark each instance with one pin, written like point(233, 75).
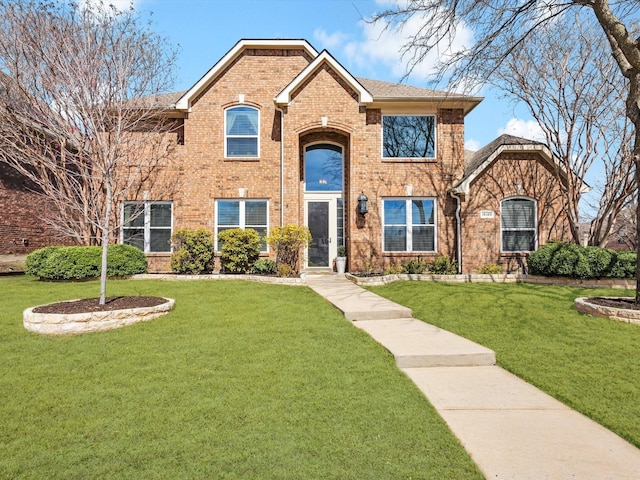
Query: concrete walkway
point(511, 429)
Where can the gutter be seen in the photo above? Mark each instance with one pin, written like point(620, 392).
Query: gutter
point(458, 230)
point(281, 164)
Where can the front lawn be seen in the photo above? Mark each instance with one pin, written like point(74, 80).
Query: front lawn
point(591, 364)
point(240, 381)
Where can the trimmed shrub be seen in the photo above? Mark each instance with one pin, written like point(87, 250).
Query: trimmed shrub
point(414, 266)
point(491, 269)
point(576, 261)
point(81, 262)
point(240, 249)
point(264, 266)
point(443, 265)
point(623, 265)
point(287, 242)
point(192, 252)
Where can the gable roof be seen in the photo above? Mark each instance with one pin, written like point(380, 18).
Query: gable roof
point(477, 162)
point(284, 97)
point(184, 102)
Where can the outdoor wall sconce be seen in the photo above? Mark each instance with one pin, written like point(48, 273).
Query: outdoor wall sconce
point(362, 204)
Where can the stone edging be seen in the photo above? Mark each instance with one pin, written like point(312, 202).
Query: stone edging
point(583, 305)
point(62, 324)
point(226, 276)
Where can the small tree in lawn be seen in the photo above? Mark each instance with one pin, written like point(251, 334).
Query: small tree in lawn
point(77, 86)
point(287, 241)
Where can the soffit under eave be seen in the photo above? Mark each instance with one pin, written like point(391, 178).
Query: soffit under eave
point(184, 102)
point(284, 97)
point(417, 103)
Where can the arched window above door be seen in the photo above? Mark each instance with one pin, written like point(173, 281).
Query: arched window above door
point(323, 168)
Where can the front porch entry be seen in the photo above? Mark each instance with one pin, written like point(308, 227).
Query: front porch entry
point(323, 203)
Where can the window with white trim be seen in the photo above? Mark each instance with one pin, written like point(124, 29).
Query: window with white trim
point(408, 136)
point(148, 226)
point(241, 132)
point(518, 224)
point(242, 214)
point(409, 225)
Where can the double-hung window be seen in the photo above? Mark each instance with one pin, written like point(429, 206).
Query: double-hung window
point(148, 226)
point(242, 214)
point(242, 132)
point(408, 136)
point(518, 225)
point(409, 225)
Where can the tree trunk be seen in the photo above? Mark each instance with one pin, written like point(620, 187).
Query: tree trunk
point(105, 244)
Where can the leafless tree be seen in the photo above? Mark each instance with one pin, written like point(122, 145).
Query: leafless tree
point(78, 85)
point(576, 94)
point(503, 26)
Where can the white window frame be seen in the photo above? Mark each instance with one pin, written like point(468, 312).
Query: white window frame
point(147, 224)
point(435, 136)
point(534, 228)
point(408, 225)
point(242, 218)
point(227, 136)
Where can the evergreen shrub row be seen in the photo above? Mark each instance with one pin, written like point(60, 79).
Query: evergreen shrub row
point(81, 262)
point(557, 259)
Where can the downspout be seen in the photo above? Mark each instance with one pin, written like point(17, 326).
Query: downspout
point(281, 165)
point(458, 230)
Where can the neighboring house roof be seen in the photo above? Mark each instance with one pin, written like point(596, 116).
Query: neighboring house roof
point(477, 162)
point(369, 91)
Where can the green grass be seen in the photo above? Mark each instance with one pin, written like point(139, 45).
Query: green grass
point(591, 364)
point(239, 381)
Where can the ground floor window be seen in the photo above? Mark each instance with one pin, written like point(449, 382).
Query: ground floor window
point(148, 226)
point(409, 225)
point(518, 225)
point(242, 214)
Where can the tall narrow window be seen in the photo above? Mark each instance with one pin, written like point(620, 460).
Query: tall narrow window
point(242, 131)
point(409, 225)
point(518, 225)
point(323, 168)
point(242, 214)
point(148, 226)
point(408, 136)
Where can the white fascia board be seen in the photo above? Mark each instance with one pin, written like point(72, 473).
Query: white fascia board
point(464, 186)
point(284, 97)
point(184, 102)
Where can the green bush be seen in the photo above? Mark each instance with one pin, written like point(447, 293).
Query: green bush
point(576, 261)
point(491, 269)
point(264, 266)
point(623, 265)
point(80, 262)
point(443, 265)
point(192, 252)
point(240, 249)
point(287, 242)
point(414, 266)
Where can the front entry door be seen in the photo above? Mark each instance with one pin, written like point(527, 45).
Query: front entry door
point(318, 222)
point(324, 217)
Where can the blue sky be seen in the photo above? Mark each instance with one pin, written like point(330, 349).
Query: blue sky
point(205, 30)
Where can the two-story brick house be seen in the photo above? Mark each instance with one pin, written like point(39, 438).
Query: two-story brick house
point(278, 133)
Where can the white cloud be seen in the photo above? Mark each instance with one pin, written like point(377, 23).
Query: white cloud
point(523, 128)
point(472, 145)
point(381, 45)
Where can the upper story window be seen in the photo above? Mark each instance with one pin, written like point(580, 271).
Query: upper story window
point(323, 168)
point(242, 131)
point(408, 136)
point(518, 224)
point(147, 225)
point(409, 225)
point(242, 214)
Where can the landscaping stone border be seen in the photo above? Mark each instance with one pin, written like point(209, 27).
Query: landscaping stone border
point(583, 305)
point(64, 324)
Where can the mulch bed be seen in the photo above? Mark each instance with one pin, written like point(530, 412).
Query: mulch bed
point(86, 305)
point(626, 303)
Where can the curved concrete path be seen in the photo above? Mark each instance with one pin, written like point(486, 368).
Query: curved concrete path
point(511, 429)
